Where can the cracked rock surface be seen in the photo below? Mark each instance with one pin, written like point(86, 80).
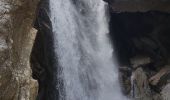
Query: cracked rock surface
point(16, 40)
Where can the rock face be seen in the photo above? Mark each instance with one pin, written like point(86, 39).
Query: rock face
point(142, 31)
point(139, 5)
point(166, 92)
point(138, 28)
point(43, 59)
point(16, 40)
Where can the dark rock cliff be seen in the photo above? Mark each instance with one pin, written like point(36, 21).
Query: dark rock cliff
point(43, 59)
point(141, 41)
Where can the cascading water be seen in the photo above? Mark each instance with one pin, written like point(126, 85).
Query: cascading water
point(87, 68)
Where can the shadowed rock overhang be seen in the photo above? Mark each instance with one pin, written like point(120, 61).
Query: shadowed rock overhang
point(139, 5)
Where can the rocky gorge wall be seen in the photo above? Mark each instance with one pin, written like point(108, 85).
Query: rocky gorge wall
point(140, 34)
point(16, 40)
point(139, 30)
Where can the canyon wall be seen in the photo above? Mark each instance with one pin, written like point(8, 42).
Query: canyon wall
point(140, 33)
point(140, 25)
point(16, 39)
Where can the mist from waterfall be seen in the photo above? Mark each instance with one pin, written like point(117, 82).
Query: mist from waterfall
point(85, 56)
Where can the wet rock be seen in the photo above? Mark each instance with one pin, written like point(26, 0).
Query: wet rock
point(154, 80)
point(140, 86)
point(166, 92)
point(43, 59)
point(124, 76)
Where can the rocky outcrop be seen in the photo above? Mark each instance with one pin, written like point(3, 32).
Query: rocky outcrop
point(141, 32)
point(139, 5)
point(16, 40)
point(141, 89)
point(43, 58)
point(166, 92)
point(154, 80)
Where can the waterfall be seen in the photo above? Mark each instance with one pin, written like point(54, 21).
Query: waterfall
point(85, 56)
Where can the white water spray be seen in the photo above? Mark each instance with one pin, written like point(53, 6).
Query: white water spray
point(84, 52)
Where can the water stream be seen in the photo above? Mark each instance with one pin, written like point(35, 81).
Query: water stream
point(85, 55)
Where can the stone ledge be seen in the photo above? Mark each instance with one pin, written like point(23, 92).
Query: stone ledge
point(140, 5)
